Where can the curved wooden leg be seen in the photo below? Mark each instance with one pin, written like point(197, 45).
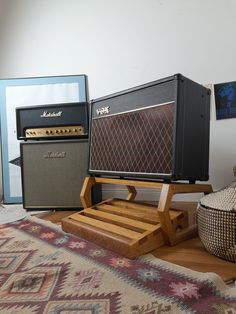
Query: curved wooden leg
point(132, 193)
point(164, 215)
point(85, 191)
point(167, 193)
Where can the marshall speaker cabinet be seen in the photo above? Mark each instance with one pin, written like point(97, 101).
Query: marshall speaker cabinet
point(159, 130)
point(53, 173)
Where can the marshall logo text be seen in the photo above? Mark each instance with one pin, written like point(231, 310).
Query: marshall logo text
point(55, 155)
point(53, 114)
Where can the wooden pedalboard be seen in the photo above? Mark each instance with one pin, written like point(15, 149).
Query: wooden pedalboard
point(133, 228)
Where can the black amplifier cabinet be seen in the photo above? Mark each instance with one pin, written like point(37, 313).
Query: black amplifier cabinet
point(53, 173)
point(52, 121)
point(159, 130)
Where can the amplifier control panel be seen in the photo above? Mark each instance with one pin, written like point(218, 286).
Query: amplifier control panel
point(62, 131)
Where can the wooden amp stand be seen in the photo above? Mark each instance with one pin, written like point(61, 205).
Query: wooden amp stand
point(133, 228)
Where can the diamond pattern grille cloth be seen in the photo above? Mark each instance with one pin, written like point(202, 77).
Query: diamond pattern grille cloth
point(140, 141)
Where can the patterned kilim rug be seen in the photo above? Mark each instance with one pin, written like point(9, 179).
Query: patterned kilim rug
point(44, 270)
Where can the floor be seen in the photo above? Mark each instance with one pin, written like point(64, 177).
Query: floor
point(190, 253)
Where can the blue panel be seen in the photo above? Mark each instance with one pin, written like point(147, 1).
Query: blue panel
point(82, 85)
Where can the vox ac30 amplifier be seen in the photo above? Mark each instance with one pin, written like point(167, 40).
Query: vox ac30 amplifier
point(159, 130)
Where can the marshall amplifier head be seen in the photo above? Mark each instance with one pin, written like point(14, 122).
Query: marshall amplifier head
point(52, 121)
point(159, 130)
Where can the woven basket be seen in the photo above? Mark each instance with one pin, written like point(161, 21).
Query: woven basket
point(216, 216)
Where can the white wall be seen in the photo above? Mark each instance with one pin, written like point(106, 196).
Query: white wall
point(120, 44)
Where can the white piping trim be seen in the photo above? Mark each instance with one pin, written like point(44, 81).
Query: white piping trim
point(138, 109)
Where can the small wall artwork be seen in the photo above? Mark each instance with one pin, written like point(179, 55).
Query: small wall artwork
point(225, 100)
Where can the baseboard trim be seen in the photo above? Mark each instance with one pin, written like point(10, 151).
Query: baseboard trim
point(148, 195)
